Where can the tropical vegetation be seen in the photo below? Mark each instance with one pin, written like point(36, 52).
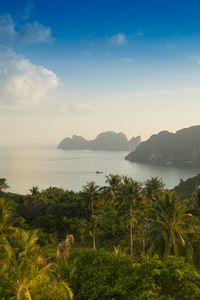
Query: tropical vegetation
point(125, 240)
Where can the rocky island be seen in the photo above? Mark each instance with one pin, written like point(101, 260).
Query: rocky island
point(107, 141)
point(180, 148)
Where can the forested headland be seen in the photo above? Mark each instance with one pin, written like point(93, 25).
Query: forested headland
point(126, 240)
point(166, 148)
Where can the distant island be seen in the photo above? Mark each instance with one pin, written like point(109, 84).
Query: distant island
point(180, 148)
point(107, 141)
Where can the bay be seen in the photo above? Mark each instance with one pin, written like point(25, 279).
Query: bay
point(44, 166)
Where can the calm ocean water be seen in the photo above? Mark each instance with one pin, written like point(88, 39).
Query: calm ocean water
point(46, 166)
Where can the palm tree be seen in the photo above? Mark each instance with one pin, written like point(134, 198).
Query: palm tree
point(153, 186)
point(115, 183)
point(34, 190)
point(131, 194)
point(5, 217)
point(3, 184)
point(168, 227)
point(27, 275)
point(91, 197)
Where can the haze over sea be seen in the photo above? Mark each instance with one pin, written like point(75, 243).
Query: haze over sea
point(44, 166)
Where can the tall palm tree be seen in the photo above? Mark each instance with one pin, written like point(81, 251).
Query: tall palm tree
point(131, 194)
point(91, 197)
point(153, 186)
point(26, 273)
point(168, 226)
point(115, 183)
point(5, 217)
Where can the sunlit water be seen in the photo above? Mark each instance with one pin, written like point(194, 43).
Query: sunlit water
point(47, 166)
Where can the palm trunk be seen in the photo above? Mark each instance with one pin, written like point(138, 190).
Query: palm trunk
point(93, 230)
point(131, 229)
point(94, 240)
point(167, 247)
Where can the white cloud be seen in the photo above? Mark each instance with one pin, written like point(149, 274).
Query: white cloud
point(25, 15)
point(23, 83)
point(128, 59)
point(87, 53)
point(30, 33)
point(7, 29)
point(195, 58)
point(33, 33)
point(118, 39)
point(76, 108)
point(170, 45)
point(139, 33)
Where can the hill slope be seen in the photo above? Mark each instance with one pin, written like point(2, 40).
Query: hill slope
point(180, 148)
point(187, 188)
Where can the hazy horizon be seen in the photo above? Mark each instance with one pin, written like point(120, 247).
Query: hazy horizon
point(83, 68)
point(55, 143)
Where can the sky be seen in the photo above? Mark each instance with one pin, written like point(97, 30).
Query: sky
point(82, 67)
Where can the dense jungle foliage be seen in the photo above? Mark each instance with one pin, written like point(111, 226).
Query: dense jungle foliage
point(123, 241)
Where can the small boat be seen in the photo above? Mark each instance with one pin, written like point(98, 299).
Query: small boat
point(99, 172)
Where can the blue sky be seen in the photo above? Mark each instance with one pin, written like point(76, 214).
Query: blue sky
point(76, 19)
point(98, 65)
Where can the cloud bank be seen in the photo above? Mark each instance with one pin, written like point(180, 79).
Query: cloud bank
point(23, 83)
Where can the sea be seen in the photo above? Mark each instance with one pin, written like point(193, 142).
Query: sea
point(45, 166)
